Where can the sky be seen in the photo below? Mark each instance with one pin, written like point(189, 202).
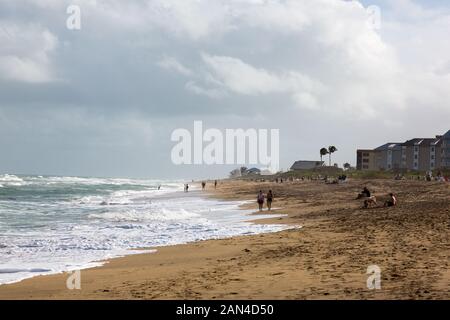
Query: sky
point(104, 100)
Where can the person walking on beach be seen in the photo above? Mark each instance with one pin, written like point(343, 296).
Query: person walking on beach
point(215, 184)
point(203, 185)
point(269, 200)
point(186, 187)
point(260, 200)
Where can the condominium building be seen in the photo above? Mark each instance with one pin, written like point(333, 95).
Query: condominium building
point(366, 160)
point(389, 156)
point(445, 150)
point(418, 154)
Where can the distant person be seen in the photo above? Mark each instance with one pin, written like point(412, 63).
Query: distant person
point(186, 187)
point(215, 184)
point(269, 200)
point(260, 200)
point(369, 202)
point(159, 187)
point(203, 185)
point(365, 193)
point(392, 202)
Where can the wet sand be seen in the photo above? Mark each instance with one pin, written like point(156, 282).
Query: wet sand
point(325, 259)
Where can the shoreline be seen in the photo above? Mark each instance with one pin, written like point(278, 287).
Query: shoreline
point(325, 259)
point(253, 218)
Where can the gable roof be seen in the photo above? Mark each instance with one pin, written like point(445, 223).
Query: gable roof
point(413, 142)
point(447, 135)
point(389, 145)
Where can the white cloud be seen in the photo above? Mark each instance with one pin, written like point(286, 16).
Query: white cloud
point(214, 93)
point(242, 78)
point(170, 63)
point(276, 61)
point(25, 53)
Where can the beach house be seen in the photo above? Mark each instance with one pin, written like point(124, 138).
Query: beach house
point(306, 165)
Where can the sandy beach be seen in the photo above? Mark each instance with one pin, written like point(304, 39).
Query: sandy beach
point(325, 259)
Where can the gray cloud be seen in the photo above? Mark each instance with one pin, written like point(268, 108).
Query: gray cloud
point(105, 99)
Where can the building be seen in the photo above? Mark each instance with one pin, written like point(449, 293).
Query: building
point(389, 156)
point(253, 171)
point(366, 160)
point(418, 154)
point(306, 165)
point(445, 151)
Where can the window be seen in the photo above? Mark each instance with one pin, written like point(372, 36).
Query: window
point(416, 157)
point(416, 149)
point(365, 160)
point(365, 154)
point(432, 157)
point(432, 149)
point(365, 167)
point(415, 165)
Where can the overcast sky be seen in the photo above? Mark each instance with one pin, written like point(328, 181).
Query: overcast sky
point(104, 100)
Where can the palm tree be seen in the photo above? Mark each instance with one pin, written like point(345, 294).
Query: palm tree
point(323, 152)
point(331, 149)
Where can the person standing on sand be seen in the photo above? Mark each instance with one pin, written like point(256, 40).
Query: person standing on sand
point(260, 200)
point(269, 200)
point(203, 185)
point(215, 184)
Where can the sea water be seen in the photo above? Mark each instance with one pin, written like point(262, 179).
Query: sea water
point(51, 224)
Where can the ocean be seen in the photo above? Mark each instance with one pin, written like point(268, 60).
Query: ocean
point(52, 224)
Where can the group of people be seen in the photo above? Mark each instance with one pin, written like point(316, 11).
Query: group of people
point(204, 184)
point(186, 186)
point(261, 198)
point(371, 200)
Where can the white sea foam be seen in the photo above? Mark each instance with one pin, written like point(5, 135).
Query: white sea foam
point(76, 223)
point(11, 180)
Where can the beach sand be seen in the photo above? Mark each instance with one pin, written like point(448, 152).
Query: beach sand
point(325, 259)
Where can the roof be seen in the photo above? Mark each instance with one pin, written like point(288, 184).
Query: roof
point(447, 135)
point(306, 164)
point(437, 141)
point(412, 142)
point(422, 141)
point(389, 145)
point(428, 141)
